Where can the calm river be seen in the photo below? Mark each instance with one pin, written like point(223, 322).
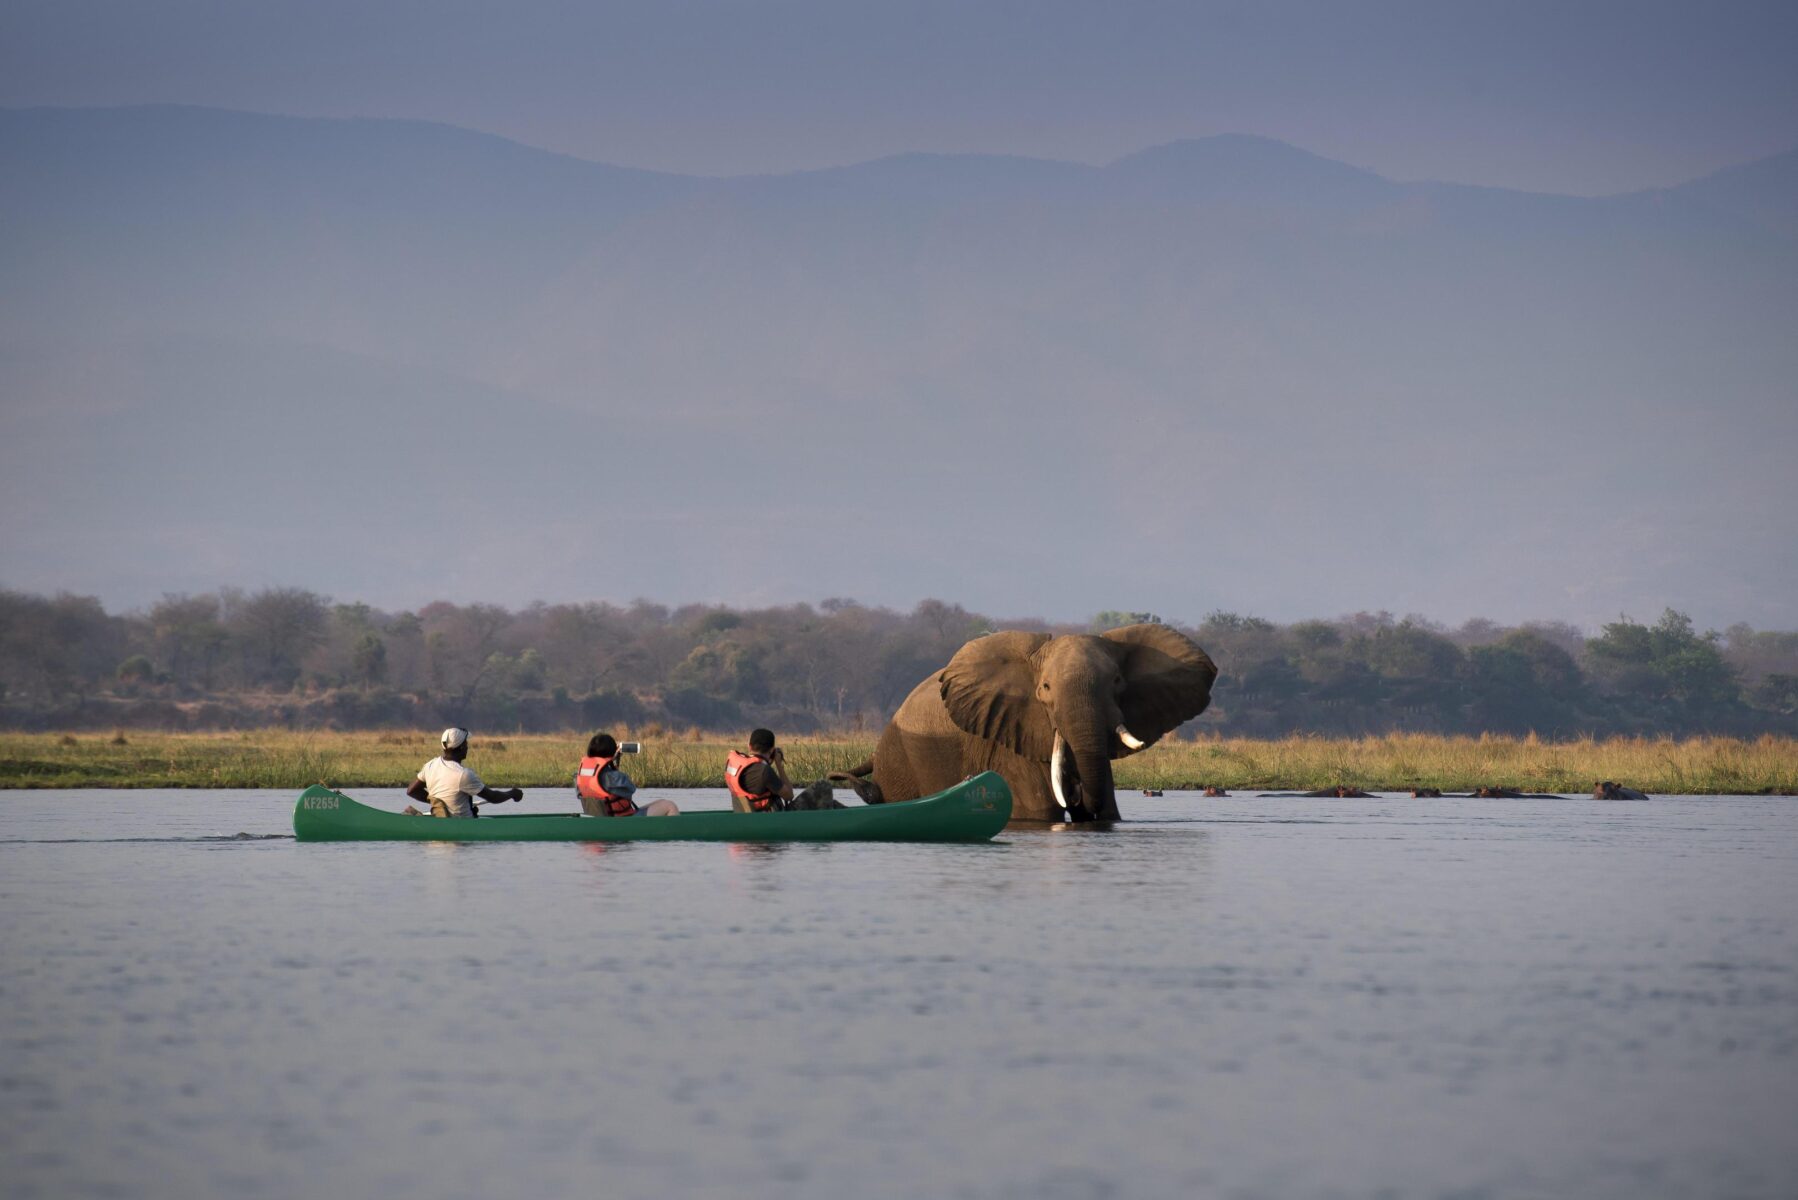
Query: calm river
point(1281, 998)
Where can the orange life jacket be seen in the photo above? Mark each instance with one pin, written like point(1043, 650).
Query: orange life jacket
point(734, 766)
point(587, 787)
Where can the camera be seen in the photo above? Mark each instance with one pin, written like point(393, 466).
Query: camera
point(630, 747)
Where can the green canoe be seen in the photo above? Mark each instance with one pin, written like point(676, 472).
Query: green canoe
point(971, 811)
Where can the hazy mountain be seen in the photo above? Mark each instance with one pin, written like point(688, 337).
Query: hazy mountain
point(1217, 373)
point(1764, 193)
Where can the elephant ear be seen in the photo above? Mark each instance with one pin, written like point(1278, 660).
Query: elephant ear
point(989, 688)
point(1167, 678)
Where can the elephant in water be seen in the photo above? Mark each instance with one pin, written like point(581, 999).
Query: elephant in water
point(1047, 713)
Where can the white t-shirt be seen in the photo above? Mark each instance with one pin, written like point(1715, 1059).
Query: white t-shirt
point(452, 785)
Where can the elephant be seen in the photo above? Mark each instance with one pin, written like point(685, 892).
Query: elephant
point(1049, 714)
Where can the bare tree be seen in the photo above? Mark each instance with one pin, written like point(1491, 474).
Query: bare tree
point(276, 628)
point(188, 638)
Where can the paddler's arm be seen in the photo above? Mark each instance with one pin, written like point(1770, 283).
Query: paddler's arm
point(500, 795)
point(416, 789)
point(785, 790)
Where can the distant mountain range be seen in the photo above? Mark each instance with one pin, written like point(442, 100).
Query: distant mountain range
point(395, 360)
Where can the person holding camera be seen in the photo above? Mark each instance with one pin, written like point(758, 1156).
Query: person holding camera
point(758, 780)
point(450, 786)
point(605, 790)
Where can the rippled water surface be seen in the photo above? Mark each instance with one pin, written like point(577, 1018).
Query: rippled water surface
point(1277, 998)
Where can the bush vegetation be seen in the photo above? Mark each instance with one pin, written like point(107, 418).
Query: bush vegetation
point(288, 658)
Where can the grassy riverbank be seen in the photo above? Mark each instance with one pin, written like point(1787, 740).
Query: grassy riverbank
point(283, 759)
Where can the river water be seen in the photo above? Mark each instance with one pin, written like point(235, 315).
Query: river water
point(1281, 998)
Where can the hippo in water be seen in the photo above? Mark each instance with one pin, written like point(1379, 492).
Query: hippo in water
point(1341, 791)
point(1216, 791)
point(1493, 792)
point(1609, 790)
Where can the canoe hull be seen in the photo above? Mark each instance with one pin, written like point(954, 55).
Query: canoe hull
point(972, 811)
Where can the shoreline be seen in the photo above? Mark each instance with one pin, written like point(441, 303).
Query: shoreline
point(279, 758)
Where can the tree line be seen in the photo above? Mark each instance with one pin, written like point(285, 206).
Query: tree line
point(287, 656)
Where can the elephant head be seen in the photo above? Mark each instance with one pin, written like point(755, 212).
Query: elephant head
point(1074, 703)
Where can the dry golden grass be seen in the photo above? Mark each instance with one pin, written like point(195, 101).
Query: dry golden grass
point(284, 759)
point(1401, 761)
point(277, 758)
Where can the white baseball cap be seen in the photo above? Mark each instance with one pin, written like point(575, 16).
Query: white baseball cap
point(453, 737)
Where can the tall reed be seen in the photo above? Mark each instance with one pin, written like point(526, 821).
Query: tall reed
point(275, 758)
point(1395, 762)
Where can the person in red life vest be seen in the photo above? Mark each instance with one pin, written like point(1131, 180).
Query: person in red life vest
point(606, 791)
point(452, 787)
point(758, 780)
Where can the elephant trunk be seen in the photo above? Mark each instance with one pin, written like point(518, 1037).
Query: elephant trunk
point(1081, 777)
point(1096, 789)
point(1089, 733)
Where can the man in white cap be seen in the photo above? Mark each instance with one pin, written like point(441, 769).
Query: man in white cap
point(452, 787)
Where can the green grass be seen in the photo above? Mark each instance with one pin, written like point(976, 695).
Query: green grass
point(284, 759)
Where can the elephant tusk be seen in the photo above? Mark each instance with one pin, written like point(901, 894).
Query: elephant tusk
point(1055, 776)
point(1130, 739)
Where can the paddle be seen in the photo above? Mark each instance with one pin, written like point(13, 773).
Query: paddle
point(479, 801)
point(483, 801)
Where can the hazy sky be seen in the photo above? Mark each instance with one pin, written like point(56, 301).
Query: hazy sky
point(1584, 97)
point(1589, 405)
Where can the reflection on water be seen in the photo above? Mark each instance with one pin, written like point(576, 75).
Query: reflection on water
point(1236, 997)
point(751, 851)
